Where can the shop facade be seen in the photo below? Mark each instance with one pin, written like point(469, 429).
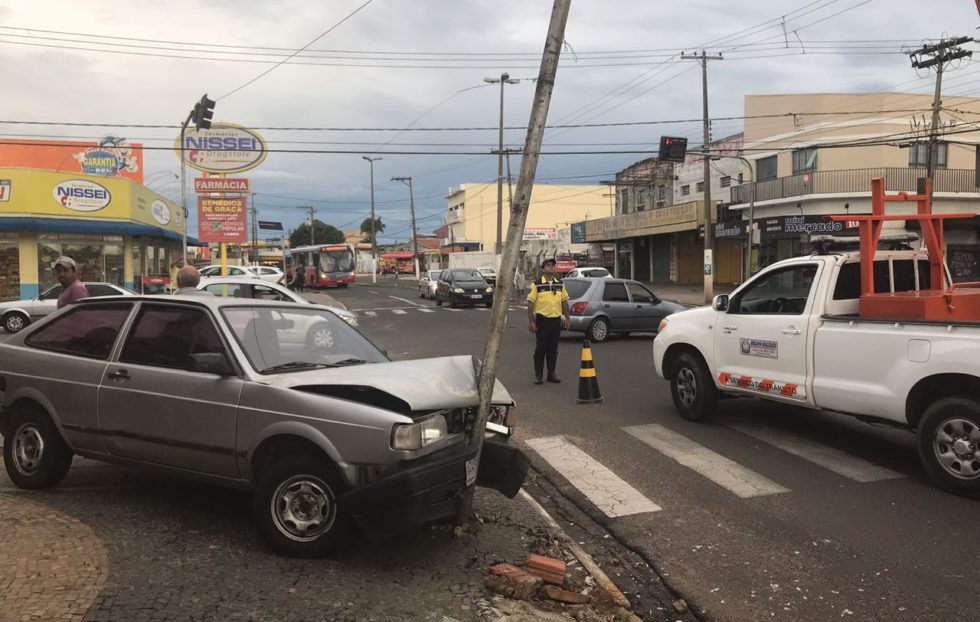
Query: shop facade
point(116, 230)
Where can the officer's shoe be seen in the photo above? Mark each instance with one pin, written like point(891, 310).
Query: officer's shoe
point(537, 380)
point(554, 378)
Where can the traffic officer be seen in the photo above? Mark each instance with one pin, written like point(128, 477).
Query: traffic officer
point(547, 302)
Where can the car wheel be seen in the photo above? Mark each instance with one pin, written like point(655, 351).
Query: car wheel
point(34, 453)
point(438, 301)
point(949, 444)
point(599, 329)
point(14, 322)
point(295, 507)
point(320, 336)
point(421, 293)
point(489, 304)
point(691, 387)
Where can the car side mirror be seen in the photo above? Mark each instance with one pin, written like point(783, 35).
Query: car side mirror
point(210, 363)
point(720, 303)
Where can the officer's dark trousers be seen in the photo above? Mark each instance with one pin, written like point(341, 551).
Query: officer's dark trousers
point(549, 329)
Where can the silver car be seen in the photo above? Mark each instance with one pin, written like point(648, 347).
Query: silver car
point(16, 314)
point(427, 284)
point(327, 437)
point(603, 306)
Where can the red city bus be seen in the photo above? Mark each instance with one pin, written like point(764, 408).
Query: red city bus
point(325, 265)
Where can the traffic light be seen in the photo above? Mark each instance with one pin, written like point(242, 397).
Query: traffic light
point(203, 113)
point(672, 149)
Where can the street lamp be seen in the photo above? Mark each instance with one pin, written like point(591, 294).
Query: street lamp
point(374, 239)
point(503, 79)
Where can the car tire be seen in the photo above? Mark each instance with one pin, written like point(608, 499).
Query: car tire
point(295, 507)
point(34, 453)
point(691, 387)
point(421, 293)
point(948, 442)
point(15, 322)
point(438, 301)
point(599, 329)
point(489, 304)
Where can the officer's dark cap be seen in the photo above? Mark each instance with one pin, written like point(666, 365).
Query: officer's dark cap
point(547, 261)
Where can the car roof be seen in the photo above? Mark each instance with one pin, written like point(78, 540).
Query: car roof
point(214, 302)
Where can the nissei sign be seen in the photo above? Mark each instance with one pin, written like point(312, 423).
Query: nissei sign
point(161, 212)
point(224, 148)
point(81, 195)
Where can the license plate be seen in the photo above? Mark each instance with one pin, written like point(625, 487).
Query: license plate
point(471, 468)
point(476, 296)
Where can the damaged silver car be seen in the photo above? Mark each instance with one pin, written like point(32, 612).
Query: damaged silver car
point(327, 432)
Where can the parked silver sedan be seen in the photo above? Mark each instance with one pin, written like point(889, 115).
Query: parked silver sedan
point(603, 306)
point(327, 436)
point(16, 314)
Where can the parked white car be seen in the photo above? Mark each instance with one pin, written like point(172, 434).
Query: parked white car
point(600, 273)
point(265, 273)
point(245, 287)
point(17, 314)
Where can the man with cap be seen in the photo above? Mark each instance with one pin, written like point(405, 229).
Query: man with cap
point(547, 302)
point(72, 289)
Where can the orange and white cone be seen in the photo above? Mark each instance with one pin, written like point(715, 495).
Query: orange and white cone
point(588, 384)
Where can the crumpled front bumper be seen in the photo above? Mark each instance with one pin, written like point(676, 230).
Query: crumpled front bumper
point(429, 489)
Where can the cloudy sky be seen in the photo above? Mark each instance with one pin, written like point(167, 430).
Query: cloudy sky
point(420, 64)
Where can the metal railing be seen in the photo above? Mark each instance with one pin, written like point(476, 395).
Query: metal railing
point(854, 180)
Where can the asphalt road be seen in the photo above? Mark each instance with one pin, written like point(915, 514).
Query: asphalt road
point(766, 512)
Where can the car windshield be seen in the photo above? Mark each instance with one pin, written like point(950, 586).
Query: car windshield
point(291, 338)
point(467, 275)
point(487, 271)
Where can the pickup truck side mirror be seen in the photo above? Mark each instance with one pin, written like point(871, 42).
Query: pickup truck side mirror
point(720, 303)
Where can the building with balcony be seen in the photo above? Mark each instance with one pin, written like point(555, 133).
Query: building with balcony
point(815, 155)
point(471, 213)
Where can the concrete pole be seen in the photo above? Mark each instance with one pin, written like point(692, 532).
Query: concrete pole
point(500, 169)
point(374, 234)
point(518, 217)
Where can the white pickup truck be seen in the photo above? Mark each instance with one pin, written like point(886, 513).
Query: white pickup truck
point(792, 334)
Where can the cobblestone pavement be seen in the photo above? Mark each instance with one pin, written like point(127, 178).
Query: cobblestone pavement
point(180, 550)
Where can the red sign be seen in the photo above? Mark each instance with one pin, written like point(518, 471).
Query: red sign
point(565, 266)
point(221, 219)
point(220, 184)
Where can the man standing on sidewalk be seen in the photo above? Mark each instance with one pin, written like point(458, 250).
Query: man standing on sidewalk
point(547, 302)
point(72, 289)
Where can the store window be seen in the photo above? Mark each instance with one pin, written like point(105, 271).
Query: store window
point(97, 260)
point(9, 270)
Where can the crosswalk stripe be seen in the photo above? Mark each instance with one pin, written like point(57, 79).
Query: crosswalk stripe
point(451, 309)
point(482, 309)
point(371, 313)
point(426, 310)
point(601, 486)
point(399, 311)
point(719, 469)
point(830, 458)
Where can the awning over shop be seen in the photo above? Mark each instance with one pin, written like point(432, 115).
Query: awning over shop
point(103, 227)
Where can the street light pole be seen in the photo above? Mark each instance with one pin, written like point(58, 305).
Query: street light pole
point(374, 236)
point(415, 233)
point(503, 79)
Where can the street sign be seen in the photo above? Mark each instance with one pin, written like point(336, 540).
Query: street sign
point(270, 225)
point(221, 219)
point(221, 184)
point(672, 149)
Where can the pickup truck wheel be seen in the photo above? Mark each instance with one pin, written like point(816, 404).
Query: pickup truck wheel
point(296, 510)
point(949, 444)
point(15, 322)
point(694, 394)
point(34, 453)
point(599, 329)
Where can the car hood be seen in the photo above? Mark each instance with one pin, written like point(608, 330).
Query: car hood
point(423, 384)
point(476, 284)
point(14, 304)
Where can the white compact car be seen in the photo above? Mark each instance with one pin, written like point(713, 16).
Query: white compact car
point(600, 273)
point(17, 314)
point(264, 273)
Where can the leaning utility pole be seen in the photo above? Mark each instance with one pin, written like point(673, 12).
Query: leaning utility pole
point(518, 217)
point(940, 54)
point(709, 232)
point(415, 233)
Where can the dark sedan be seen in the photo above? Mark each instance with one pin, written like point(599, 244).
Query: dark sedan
point(463, 286)
point(602, 306)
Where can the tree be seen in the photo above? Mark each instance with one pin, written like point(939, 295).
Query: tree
point(366, 228)
point(322, 234)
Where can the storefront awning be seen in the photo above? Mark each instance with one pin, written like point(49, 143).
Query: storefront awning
point(102, 227)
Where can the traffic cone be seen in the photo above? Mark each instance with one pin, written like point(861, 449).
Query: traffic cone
point(588, 384)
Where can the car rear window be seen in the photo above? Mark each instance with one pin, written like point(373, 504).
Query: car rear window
point(576, 289)
point(849, 278)
point(96, 291)
point(87, 330)
point(596, 272)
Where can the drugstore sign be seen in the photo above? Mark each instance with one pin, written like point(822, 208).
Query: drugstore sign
point(81, 195)
point(224, 148)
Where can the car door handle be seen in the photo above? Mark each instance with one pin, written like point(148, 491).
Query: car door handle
point(119, 374)
point(729, 329)
point(791, 331)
